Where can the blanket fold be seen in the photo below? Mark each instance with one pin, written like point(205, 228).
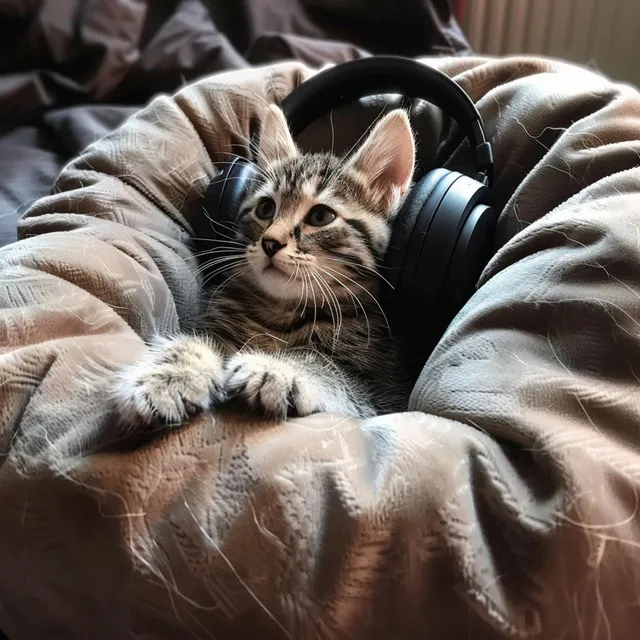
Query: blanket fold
point(501, 504)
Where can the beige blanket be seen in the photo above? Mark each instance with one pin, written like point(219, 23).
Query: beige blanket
point(504, 505)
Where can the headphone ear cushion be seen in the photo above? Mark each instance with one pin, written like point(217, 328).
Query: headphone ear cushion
point(470, 256)
point(226, 193)
point(221, 205)
point(404, 225)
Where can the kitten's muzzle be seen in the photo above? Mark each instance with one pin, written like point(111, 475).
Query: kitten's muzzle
point(271, 246)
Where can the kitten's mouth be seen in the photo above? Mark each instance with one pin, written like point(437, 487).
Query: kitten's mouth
point(275, 270)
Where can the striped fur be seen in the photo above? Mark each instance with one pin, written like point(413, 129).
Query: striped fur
point(299, 330)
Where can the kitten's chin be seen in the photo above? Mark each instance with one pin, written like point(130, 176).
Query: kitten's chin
point(278, 284)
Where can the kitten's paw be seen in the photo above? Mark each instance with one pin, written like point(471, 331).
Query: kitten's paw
point(177, 379)
point(271, 387)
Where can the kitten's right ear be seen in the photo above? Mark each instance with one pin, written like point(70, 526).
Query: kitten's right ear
point(276, 143)
point(387, 157)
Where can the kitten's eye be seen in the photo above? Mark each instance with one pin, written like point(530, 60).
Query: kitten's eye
point(266, 209)
point(320, 216)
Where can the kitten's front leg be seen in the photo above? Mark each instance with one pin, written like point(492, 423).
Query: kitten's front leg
point(176, 379)
point(291, 384)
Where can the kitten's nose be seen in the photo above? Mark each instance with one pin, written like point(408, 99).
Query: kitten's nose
point(271, 246)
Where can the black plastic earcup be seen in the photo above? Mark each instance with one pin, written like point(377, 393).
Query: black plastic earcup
point(221, 205)
point(423, 251)
point(225, 193)
point(426, 234)
point(458, 196)
point(473, 250)
point(404, 228)
point(442, 241)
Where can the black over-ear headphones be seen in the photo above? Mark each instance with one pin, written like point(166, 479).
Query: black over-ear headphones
point(443, 235)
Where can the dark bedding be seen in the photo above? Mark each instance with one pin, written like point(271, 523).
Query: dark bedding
point(502, 505)
point(73, 70)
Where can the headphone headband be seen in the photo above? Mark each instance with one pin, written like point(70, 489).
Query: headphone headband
point(356, 79)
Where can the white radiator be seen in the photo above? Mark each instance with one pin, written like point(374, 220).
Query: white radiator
point(604, 34)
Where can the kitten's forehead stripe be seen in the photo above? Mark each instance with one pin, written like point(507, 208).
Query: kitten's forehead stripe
point(365, 234)
point(328, 307)
point(297, 176)
point(357, 240)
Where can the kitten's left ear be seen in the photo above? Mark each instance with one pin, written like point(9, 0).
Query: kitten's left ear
point(387, 157)
point(276, 143)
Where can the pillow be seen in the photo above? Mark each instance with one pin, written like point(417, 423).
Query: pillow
point(502, 504)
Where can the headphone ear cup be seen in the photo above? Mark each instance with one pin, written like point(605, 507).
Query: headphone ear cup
point(454, 218)
point(422, 247)
point(403, 230)
point(473, 250)
point(222, 203)
point(457, 196)
point(226, 192)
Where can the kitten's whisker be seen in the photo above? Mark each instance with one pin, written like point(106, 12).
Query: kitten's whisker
point(357, 267)
point(315, 277)
point(222, 259)
point(215, 222)
point(229, 224)
point(245, 344)
point(232, 227)
point(337, 319)
point(293, 276)
point(302, 289)
point(209, 280)
point(213, 252)
point(219, 241)
point(375, 300)
point(219, 270)
point(261, 171)
point(245, 178)
point(219, 260)
point(231, 277)
point(306, 297)
point(222, 254)
point(315, 306)
point(337, 304)
point(355, 299)
point(332, 299)
point(226, 247)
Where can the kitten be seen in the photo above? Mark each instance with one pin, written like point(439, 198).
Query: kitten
point(297, 328)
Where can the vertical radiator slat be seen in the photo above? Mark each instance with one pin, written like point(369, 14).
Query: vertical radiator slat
point(629, 42)
point(604, 34)
point(582, 29)
point(496, 27)
point(601, 41)
point(538, 31)
point(517, 26)
point(477, 18)
point(560, 28)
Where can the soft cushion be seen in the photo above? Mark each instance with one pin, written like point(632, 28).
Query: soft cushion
point(504, 504)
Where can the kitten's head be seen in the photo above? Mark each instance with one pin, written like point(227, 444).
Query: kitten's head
point(314, 222)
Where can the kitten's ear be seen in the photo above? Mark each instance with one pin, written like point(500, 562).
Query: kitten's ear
point(276, 143)
point(387, 156)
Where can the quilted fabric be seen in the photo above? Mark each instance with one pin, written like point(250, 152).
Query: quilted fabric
point(503, 505)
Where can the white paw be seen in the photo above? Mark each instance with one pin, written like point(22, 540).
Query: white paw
point(269, 386)
point(178, 378)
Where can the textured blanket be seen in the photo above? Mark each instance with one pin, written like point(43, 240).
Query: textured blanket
point(504, 504)
point(73, 70)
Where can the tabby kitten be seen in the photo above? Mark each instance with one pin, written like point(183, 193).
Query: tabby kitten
point(297, 328)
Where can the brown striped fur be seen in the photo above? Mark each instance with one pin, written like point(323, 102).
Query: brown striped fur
point(298, 330)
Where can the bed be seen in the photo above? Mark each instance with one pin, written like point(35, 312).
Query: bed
point(502, 504)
